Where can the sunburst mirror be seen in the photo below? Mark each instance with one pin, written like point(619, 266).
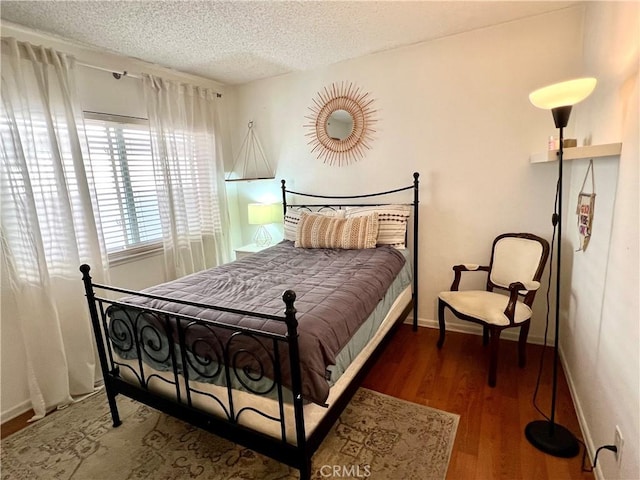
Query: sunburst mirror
point(341, 121)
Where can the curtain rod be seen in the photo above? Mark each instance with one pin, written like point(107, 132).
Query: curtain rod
point(18, 31)
point(118, 75)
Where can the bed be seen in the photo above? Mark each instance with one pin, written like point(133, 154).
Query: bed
point(227, 351)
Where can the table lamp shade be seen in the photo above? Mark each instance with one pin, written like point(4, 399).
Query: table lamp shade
point(264, 214)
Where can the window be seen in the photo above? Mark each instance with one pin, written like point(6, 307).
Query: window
point(120, 153)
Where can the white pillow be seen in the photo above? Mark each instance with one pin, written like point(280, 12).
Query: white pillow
point(392, 222)
point(292, 218)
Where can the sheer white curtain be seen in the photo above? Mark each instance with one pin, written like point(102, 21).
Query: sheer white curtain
point(48, 225)
point(189, 175)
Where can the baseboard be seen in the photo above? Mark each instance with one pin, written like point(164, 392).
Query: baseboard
point(470, 328)
point(582, 421)
point(15, 411)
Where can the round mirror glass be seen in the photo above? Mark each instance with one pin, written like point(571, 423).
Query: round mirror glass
point(339, 125)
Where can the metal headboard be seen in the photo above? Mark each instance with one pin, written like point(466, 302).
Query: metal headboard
point(341, 198)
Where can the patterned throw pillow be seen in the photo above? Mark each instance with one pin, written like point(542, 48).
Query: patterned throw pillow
point(320, 231)
point(292, 218)
point(392, 222)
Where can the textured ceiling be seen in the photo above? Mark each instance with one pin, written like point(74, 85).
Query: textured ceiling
point(236, 42)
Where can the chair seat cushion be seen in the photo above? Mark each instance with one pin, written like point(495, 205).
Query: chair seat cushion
point(486, 306)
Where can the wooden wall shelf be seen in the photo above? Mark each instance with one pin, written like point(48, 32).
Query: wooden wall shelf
point(576, 153)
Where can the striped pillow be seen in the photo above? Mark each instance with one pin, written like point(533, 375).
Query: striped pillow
point(320, 231)
point(292, 218)
point(392, 222)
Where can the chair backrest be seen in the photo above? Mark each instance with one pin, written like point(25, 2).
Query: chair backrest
point(517, 257)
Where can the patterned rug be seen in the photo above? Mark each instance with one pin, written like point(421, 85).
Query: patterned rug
point(376, 437)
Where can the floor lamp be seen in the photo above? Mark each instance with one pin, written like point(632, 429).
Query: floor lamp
point(547, 435)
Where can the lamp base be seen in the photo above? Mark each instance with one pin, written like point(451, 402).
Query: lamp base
point(553, 439)
point(262, 238)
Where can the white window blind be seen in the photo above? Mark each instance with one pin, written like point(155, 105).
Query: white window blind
point(120, 153)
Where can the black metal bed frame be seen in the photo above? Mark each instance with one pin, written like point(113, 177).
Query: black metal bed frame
point(163, 336)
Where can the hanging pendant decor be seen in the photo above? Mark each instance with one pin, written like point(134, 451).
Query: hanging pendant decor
point(254, 164)
point(341, 121)
point(585, 208)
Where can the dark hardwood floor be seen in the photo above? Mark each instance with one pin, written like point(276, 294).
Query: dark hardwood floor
point(490, 441)
point(18, 423)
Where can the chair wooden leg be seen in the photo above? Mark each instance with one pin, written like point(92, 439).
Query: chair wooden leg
point(522, 344)
point(441, 305)
point(493, 359)
point(485, 335)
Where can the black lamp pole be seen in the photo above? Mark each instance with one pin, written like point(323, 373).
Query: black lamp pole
point(547, 435)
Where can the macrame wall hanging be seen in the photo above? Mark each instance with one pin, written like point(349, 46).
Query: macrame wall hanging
point(584, 210)
point(250, 163)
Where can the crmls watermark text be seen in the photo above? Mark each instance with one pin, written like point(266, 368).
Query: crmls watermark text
point(345, 471)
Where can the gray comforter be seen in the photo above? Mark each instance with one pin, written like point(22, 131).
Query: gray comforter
point(336, 291)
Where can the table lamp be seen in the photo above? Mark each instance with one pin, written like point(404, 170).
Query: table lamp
point(263, 214)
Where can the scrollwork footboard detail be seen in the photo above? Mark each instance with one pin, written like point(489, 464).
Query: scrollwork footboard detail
point(201, 365)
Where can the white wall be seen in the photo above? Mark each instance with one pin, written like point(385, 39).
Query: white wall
point(601, 338)
point(457, 111)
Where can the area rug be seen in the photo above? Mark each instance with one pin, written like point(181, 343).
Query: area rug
point(376, 437)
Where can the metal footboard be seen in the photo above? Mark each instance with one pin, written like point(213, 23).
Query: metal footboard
point(191, 347)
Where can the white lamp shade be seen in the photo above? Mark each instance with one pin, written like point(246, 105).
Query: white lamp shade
point(563, 94)
point(264, 214)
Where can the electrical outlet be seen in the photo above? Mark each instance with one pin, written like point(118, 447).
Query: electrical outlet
point(618, 442)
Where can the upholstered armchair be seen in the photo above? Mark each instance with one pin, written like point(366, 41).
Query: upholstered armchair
point(513, 278)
